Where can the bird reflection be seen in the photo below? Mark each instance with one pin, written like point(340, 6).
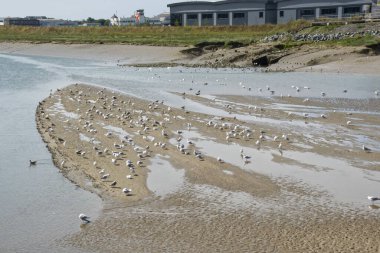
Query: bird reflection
point(374, 207)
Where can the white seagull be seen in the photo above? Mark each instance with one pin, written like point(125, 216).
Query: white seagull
point(366, 149)
point(373, 199)
point(127, 191)
point(84, 218)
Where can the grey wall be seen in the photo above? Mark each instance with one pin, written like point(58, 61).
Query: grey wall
point(253, 18)
point(289, 15)
point(223, 21)
point(207, 21)
point(217, 7)
point(299, 4)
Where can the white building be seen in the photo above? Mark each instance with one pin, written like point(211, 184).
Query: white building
point(1, 21)
point(137, 19)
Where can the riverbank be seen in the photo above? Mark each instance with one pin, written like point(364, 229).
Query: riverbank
point(211, 205)
point(307, 58)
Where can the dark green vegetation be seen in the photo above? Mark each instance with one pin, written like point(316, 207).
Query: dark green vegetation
point(166, 36)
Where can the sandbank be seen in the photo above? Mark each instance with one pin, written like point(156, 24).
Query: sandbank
point(220, 207)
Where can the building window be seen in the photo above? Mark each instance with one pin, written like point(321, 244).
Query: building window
point(206, 16)
point(281, 13)
point(351, 10)
point(307, 12)
point(223, 16)
point(261, 14)
point(330, 11)
point(192, 16)
point(239, 15)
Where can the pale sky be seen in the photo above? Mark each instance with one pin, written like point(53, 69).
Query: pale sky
point(82, 9)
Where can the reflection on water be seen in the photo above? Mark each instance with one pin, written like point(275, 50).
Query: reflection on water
point(163, 178)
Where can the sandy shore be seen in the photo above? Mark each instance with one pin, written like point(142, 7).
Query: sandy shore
point(121, 54)
point(221, 206)
point(359, 60)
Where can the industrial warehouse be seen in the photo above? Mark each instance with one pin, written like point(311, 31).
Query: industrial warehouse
point(258, 12)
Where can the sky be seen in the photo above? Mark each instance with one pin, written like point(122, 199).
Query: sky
point(82, 9)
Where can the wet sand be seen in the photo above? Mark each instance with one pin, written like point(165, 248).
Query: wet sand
point(121, 54)
point(208, 205)
point(306, 58)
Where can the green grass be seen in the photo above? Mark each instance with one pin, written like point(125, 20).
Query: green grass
point(145, 35)
point(172, 36)
point(356, 41)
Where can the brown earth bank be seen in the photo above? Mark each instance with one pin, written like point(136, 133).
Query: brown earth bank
point(220, 207)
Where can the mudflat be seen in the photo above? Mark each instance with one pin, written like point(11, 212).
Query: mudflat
point(193, 177)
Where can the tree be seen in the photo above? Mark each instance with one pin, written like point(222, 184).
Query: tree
point(90, 20)
point(103, 22)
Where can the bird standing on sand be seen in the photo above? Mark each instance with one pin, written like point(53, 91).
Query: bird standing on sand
point(373, 199)
point(366, 149)
point(84, 218)
point(127, 191)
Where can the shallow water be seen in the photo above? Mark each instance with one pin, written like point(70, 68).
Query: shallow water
point(163, 178)
point(40, 206)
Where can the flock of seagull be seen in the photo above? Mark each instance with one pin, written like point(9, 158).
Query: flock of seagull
point(146, 125)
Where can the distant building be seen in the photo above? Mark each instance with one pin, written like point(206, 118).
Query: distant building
point(90, 24)
point(256, 12)
point(21, 21)
point(51, 22)
point(1, 21)
point(162, 19)
point(137, 18)
point(375, 9)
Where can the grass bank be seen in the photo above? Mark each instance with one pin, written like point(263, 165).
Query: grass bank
point(177, 36)
point(159, 36)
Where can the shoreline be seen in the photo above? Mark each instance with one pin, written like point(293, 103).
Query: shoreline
point(357, 60)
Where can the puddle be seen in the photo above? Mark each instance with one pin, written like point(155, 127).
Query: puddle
point(60, 108)
point(163, 178)
point(228, 172)
point(118, 131)
point(83, 137)
point(343, 182)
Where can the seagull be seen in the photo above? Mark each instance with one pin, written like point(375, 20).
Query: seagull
point(220, 160)
point(113, 184)
point(366, 149)
point(32, 162)
point(373, 199)
point(105, 176)
point(127, 191)
point(84, 218)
